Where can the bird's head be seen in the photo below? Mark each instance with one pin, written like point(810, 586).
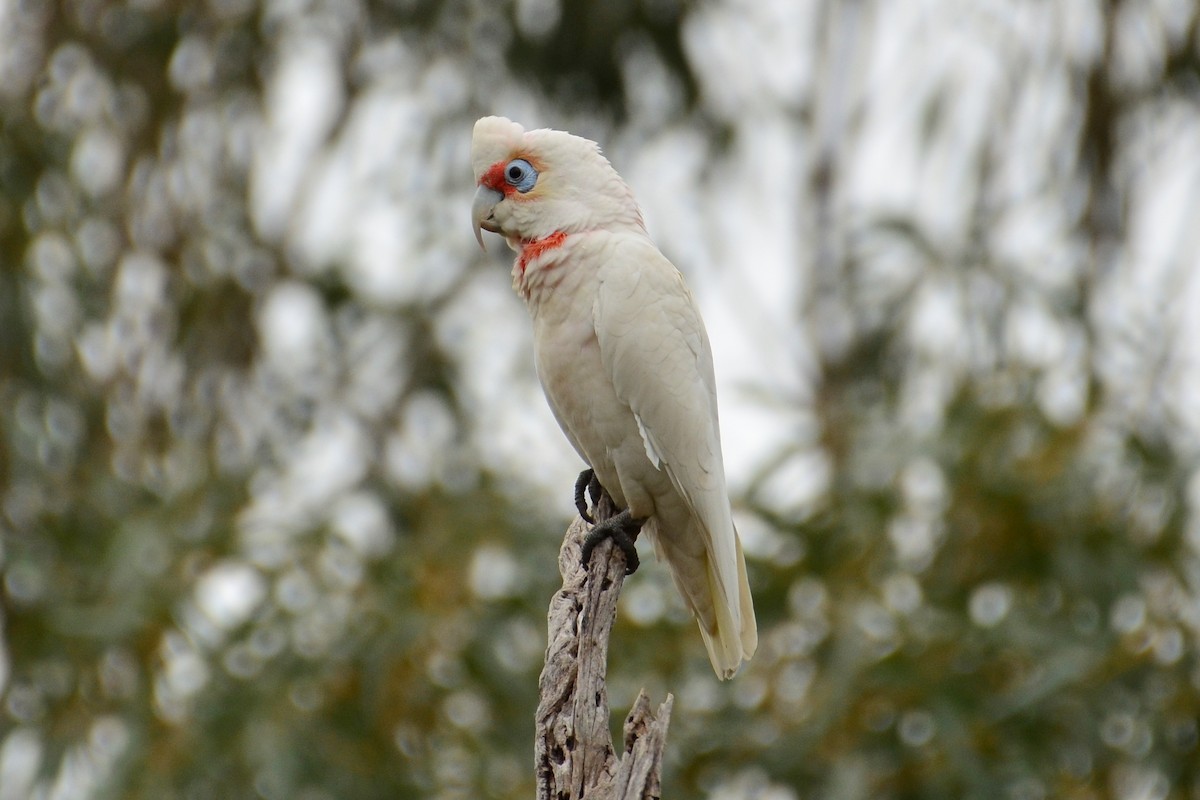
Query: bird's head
point(532, 184)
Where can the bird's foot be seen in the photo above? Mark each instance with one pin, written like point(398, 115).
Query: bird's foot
point(587, 482)
point(623, 529)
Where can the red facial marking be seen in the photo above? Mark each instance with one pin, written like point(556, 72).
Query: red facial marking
point(535, 248)
point(493, 178)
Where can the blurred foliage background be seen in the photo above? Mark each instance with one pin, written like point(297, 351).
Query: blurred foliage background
point(280, 499)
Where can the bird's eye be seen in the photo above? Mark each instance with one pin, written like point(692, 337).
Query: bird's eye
point(521, 175)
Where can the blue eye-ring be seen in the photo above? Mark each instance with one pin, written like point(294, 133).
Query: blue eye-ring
point(520, 175)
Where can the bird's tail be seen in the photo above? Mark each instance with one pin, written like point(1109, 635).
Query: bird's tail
point(719, 598)
point(735, 635)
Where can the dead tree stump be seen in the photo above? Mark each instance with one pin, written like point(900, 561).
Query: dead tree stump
point(574, 754)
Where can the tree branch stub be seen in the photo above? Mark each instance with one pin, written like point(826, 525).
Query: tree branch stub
point(574, 753)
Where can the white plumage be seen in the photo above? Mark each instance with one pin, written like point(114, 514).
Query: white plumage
point(623, 357)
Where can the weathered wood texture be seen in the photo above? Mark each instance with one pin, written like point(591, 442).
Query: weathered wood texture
point(574, 754)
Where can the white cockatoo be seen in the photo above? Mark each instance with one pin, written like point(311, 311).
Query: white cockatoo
point(625, 362)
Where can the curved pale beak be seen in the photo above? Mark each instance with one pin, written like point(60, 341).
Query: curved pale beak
point(485, 202)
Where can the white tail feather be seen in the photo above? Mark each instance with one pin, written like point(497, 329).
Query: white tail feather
point(736, 635)
point(725, 614)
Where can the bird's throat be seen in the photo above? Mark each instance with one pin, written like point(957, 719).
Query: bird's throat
point(535, 248)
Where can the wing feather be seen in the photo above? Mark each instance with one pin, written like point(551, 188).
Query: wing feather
point(654, 346)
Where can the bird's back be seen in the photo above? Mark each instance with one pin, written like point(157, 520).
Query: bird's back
point(654, 348)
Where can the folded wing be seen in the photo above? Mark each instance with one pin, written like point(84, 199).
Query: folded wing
point(654, 346)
